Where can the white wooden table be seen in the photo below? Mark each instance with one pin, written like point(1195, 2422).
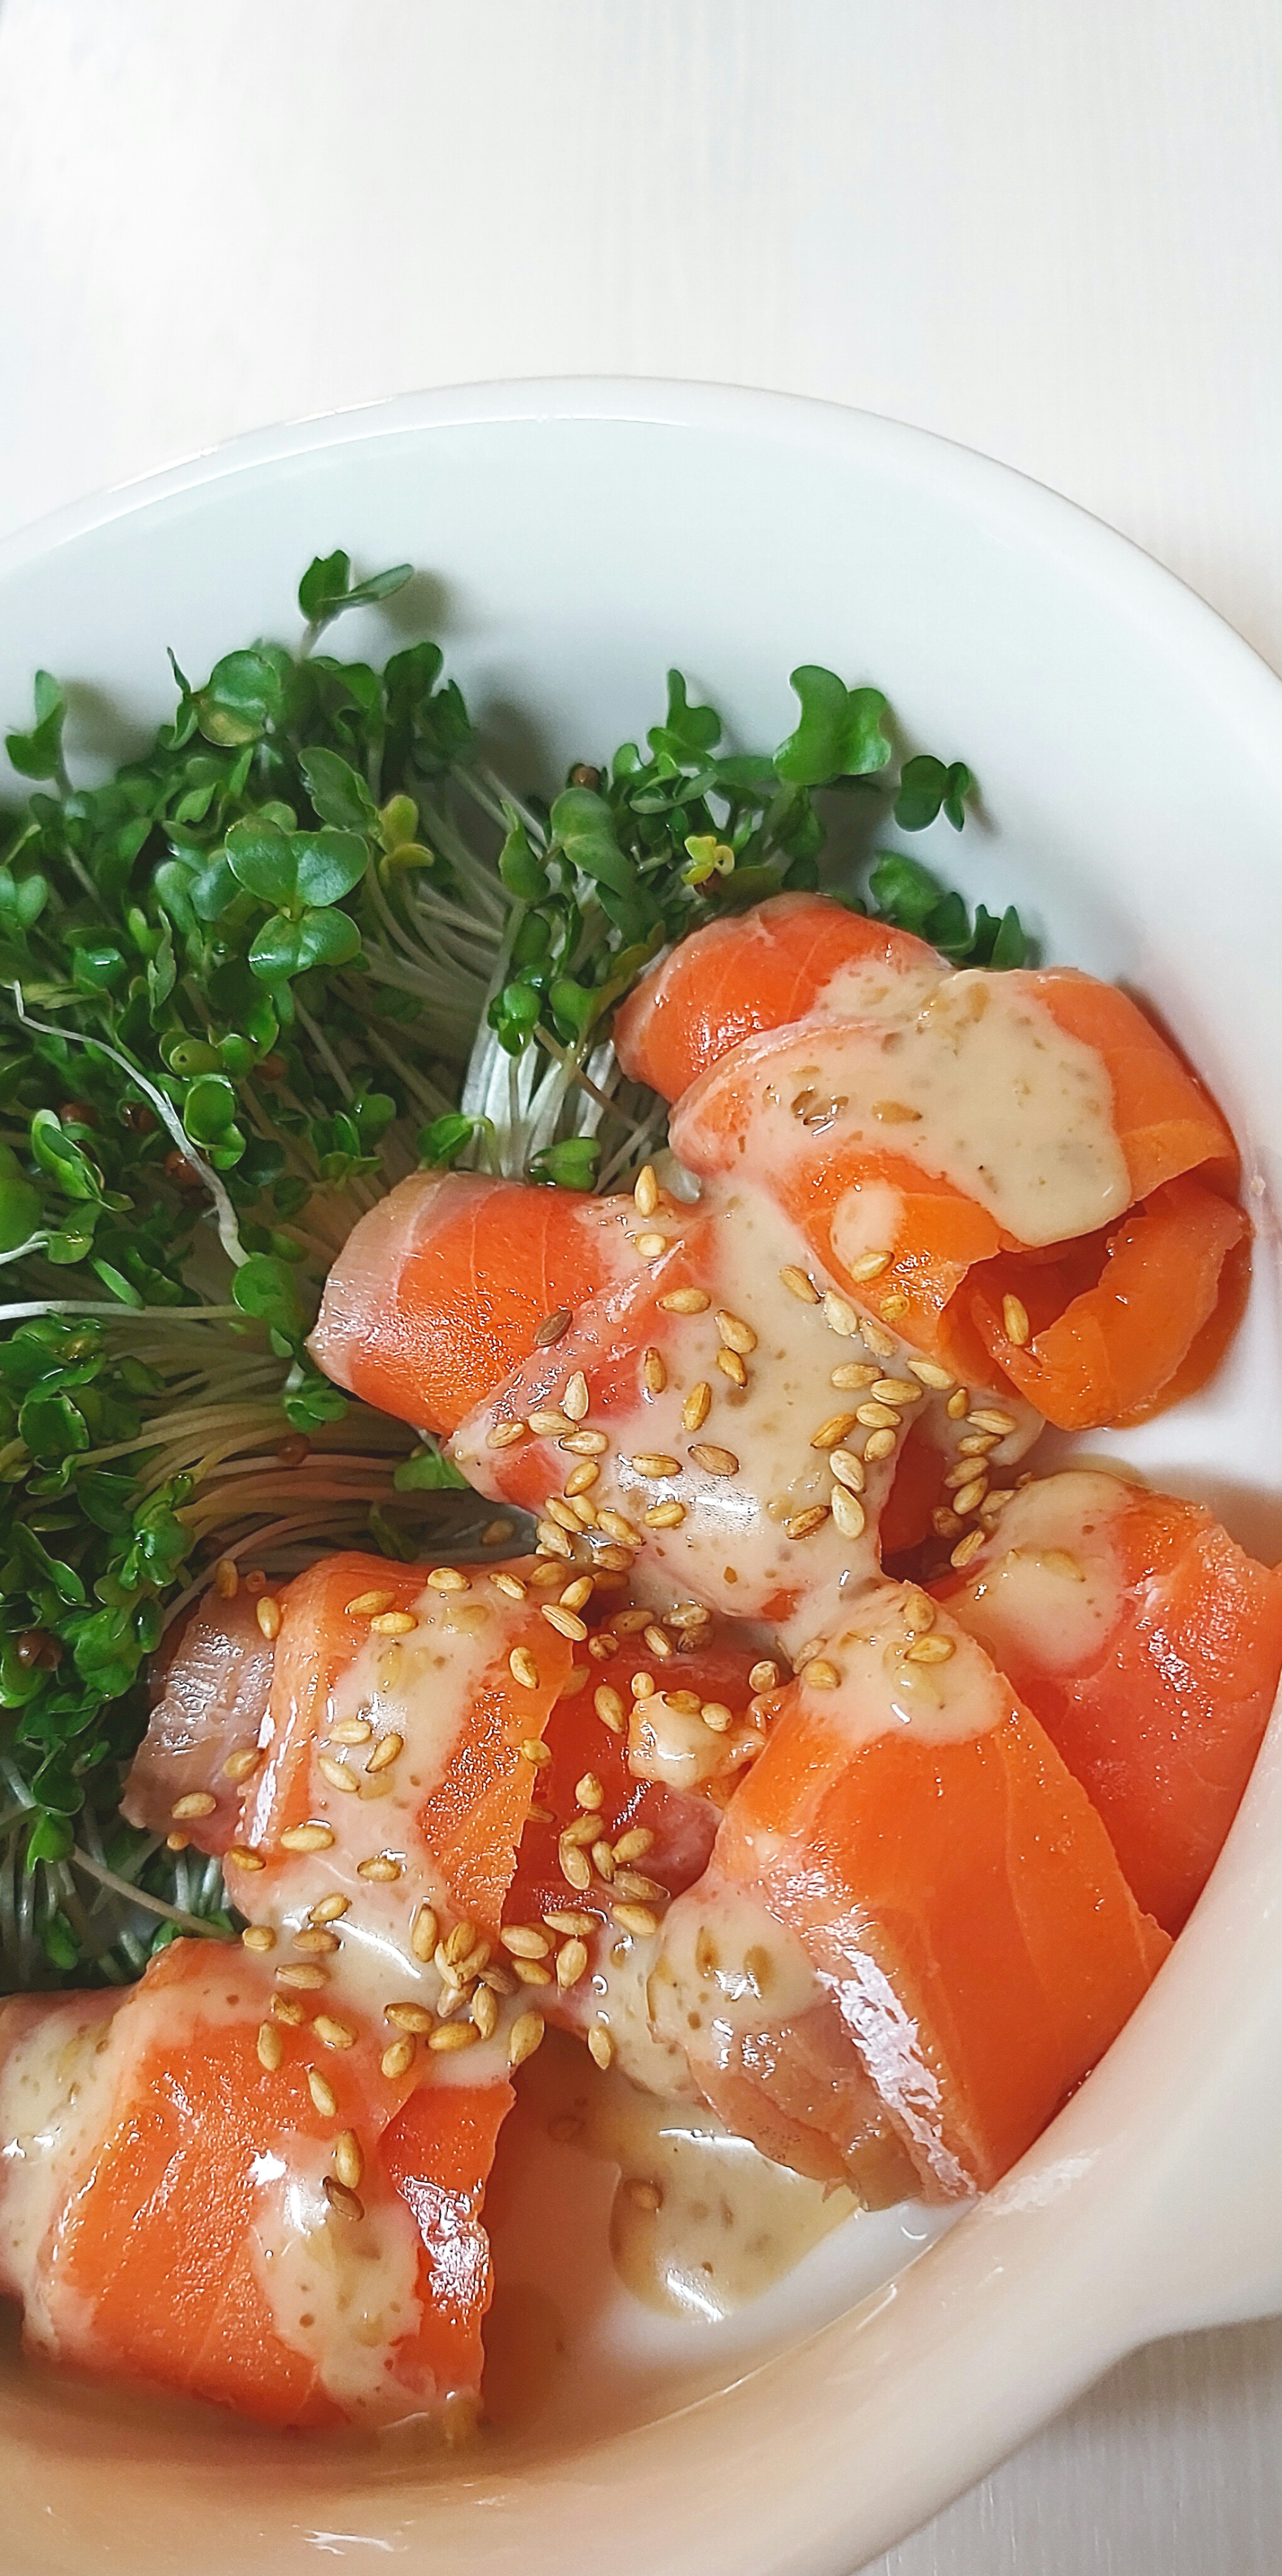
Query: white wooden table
point(1047, 228)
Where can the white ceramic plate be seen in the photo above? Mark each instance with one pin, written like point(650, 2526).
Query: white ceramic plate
point(575, 540)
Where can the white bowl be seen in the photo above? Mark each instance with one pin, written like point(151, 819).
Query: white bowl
point(579, 538)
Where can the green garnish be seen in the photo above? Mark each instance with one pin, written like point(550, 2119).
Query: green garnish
point(306, 943)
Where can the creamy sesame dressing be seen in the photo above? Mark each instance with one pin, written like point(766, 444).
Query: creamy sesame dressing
point(56, 2075)
point(342, 2289)
point(967, 1075)
point(1048, 1588)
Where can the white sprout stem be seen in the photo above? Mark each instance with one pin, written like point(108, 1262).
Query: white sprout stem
point(194, 1923)
point(119, 1314)
point(34, 1243)
point(324, 1050)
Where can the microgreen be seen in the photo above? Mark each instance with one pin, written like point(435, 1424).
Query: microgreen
point(304, 943)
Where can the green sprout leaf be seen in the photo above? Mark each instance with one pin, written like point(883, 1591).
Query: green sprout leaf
point(840, 733)
point(926, 787)
point(38, 754)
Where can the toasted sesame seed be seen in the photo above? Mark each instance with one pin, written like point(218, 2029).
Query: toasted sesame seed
point(310, 1837)
point(715, 1714)
point(367, 1605)
point(651, 1245)
point(322, 2093)
point(241, 1857)
point(394, 1623)
point(839, 1314)
point(571, 1963)
point(449, 1578)
point(958, 1405)
point(302, 1974)
point(388, 1750)
point(831, 1433)
point(576, 1399)
point(258, 1936)
point(878, 1339)
point(799, 1284)
point(226, 1579)
point(255, 1582)
point(609, 1708)
point(503, 1435)
point(316, 1939)
point(853, 1374)
point(870, 1265)
point(877, 1417)
point(944, 1523)
point(575, 1868)
point(764, 1676)
point(589, 1792)
point(349, 2163)
point(398, 2059)
point(423, 1932)
point(804, 1524)
point(198, 1802)
point(654, 1464)
point(714, 1461)
point(332, 2033)
point(351, 1730)
point(567, 1623)
point(509, 1584)
point(524, 2037)
point(930, 1650)
point(645, 1190)
point(485, 2011)
point(381, 1866)
point(523, 1669)
point(532, 1972)
point(736, 1335)
point(1015, 1321)
point(879, 1444)
point(533, 1749)
point(658, 1641)
point(961, 1474)
point(848, 1512)
point(896, 1390)
point(697, 1406)
point(968, 1496)
point(267, 1613)
point(819, 1674)
point(687, 1614)
point(346, 2203)
point(580, 1830)
point(271, 2047)
point(524, 1940)
point(561, 1515)
point(686, 1301)
point(998, 1424)
point(644, 1685)
point(239, 1766)
point(337, 1774)
point(552, 1328)
point(586, 1444)
point(554, 1542)
point(894, 1308)
point(550, 1424)
point(967, 1548)
point(732, 1366)
point(633, 1845)
point(932, 1375)
point(640, 1920)
point(600, 2046)
point(408, 2016)
point(285, 2008)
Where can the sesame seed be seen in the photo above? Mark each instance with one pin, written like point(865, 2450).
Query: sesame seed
point(532, 1749)
point(566, 1622)
point(575, 1869)
point(839, 1314)
point(258, 1936)
point(764, 1677)
point(581, 1478)
point(654, 1464)
point(423, 1933)
point(271, 2047)
point(967, 1496)
point(895, 1113)
point(962, 1474)
point(586, 1444)
point(351, 1730)
point(241, 1857)
point(877, 1339)
point(485, 2011)
point(687, 1614)
point(609, 1708)
point(931, 1374)
point(958, 1405)
point(848, 1468)
point(799, 1284)
point(337, 1774)
point(255, 1582)
point(732, 1366)
point(382, 1866)
point(651, 1245)
point(999, 1424)
point(329, 1909)
point(819, 1674)
point(387, 1751)
point(804, 1524)
point(332, 2033)
point(831, 1433)
point(448, 1578)
point(976, 1443)
point(317, 1940)
point(600, 2046)
point(640, 1920)
point(524, 2037)
point(575, 1399)
point(531, 1972)
point(944, 1523)
point(267, 1613)
point(497, 1533)
point(563, 1515)
point(894, 1308)
point(930, 1650)
point(645, 1190)
point(552, 1328)
point(631, 1846)
point(367, 1605)
point(571, 1963)
point(238, 1766)
point(654, 1375)
point(580, 1830)
point(736, 1335)
point(967, 1548)
point(657, 1640)
point(284, 2008)
point(310, 1837)
point(199, 1802)
point(394, 1623)
point(523, 1669)
point(226, 1579)
point(853, 1374)
point(686, 1301)
point(509, 1584)
point(408, 2016)
point(553, 1541)
point(524, 1941)
point(870, 1265)
point(848, 1512)
point(615, 1526)
point(550, 1425)
point(1015, 1321)
point(631, 1622)
point(879, 1444)
point(303, 1974)
point(714, 1714)
point(896, 1390)
point(347, 2204)
point(877, 1417)
point(398, 2059)
point(349, 2163)
point(589, 1792)
point(664, 1515)
point(503, 1435)
point(714, 1461)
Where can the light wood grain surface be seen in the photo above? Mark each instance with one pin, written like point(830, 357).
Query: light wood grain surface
point(1047, 228)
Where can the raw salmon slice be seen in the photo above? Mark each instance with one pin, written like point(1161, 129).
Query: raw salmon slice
point(917, 1831)
point(175, 2213)
point(441, 1289)
point(1149, 1647)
